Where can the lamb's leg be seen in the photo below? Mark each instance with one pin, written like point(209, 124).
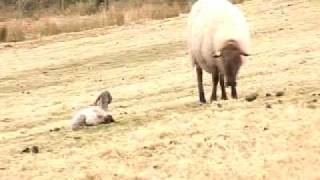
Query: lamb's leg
point(78, 121)
point(103, 100)
point(223, 88)
point(200, 85)
point(215, 81)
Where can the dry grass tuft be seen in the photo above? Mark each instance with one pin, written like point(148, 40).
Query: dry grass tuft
point(14, 32)
point(3, 33)
point(82, 17)
point(237, 1)
point(50, 27)
point(115, 16)
point(156, 11)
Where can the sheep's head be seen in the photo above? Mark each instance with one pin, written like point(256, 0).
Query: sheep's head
point(231, 58)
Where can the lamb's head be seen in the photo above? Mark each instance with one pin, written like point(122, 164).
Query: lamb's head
point(108, 119)
point(231, 57)
point(104, 119)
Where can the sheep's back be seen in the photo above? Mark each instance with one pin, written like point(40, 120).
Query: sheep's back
point(211, 24)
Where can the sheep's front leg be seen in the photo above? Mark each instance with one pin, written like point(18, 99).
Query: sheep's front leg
point(223, 88)
point(234, 93)
point(200, 85)
point(215, 81)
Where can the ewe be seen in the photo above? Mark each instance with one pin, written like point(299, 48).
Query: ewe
point(218, 40)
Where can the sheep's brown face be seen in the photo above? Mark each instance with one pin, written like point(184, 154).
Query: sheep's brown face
point(231, 57)
point(232, 61)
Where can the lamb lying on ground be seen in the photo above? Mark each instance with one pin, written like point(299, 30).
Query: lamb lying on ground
point(95, 114)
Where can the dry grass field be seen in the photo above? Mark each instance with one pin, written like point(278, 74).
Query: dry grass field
point(79, 17)
point(161, 131)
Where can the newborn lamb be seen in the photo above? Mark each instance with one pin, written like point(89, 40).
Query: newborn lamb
point(95, 114)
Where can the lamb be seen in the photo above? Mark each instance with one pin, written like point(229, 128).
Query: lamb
point(94, 114)
point(218, 40)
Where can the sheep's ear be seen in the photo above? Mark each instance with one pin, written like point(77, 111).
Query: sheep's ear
point(216, 55)
point(245, 54)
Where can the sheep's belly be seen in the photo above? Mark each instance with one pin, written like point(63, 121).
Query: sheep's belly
point(208, 66)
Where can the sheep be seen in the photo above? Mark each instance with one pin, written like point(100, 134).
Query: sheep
point(94, 114)
point(218, 40)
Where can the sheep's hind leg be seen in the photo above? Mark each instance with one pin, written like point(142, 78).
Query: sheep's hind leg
point(215, 81)
point(200, 85)
point(223, 88)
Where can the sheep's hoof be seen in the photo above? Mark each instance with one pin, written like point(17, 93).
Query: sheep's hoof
point(224, 98)
point(213, 98)
point(202, 102)
point(234, 96)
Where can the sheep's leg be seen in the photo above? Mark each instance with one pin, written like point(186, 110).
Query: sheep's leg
point(234, 92)
point(200, 85)
point(223, 88)
point(215, 81)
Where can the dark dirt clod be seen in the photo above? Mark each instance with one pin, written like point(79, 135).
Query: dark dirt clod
point(219, 105)
point(54, 129)
point(25, 150)
point(251, 97)
point(265, 128)
point(279, 93)
point(155, 166)
point(35, 149)
point(268, 94)
point(311, 106)
point(77, 137)
point(280, 101)
point(8, 45)
point(268, 106)
point(174, 142)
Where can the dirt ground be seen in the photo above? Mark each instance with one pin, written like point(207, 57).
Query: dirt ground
point(161, 130)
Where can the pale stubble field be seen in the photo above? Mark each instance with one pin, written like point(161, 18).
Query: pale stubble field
point(161, 130)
